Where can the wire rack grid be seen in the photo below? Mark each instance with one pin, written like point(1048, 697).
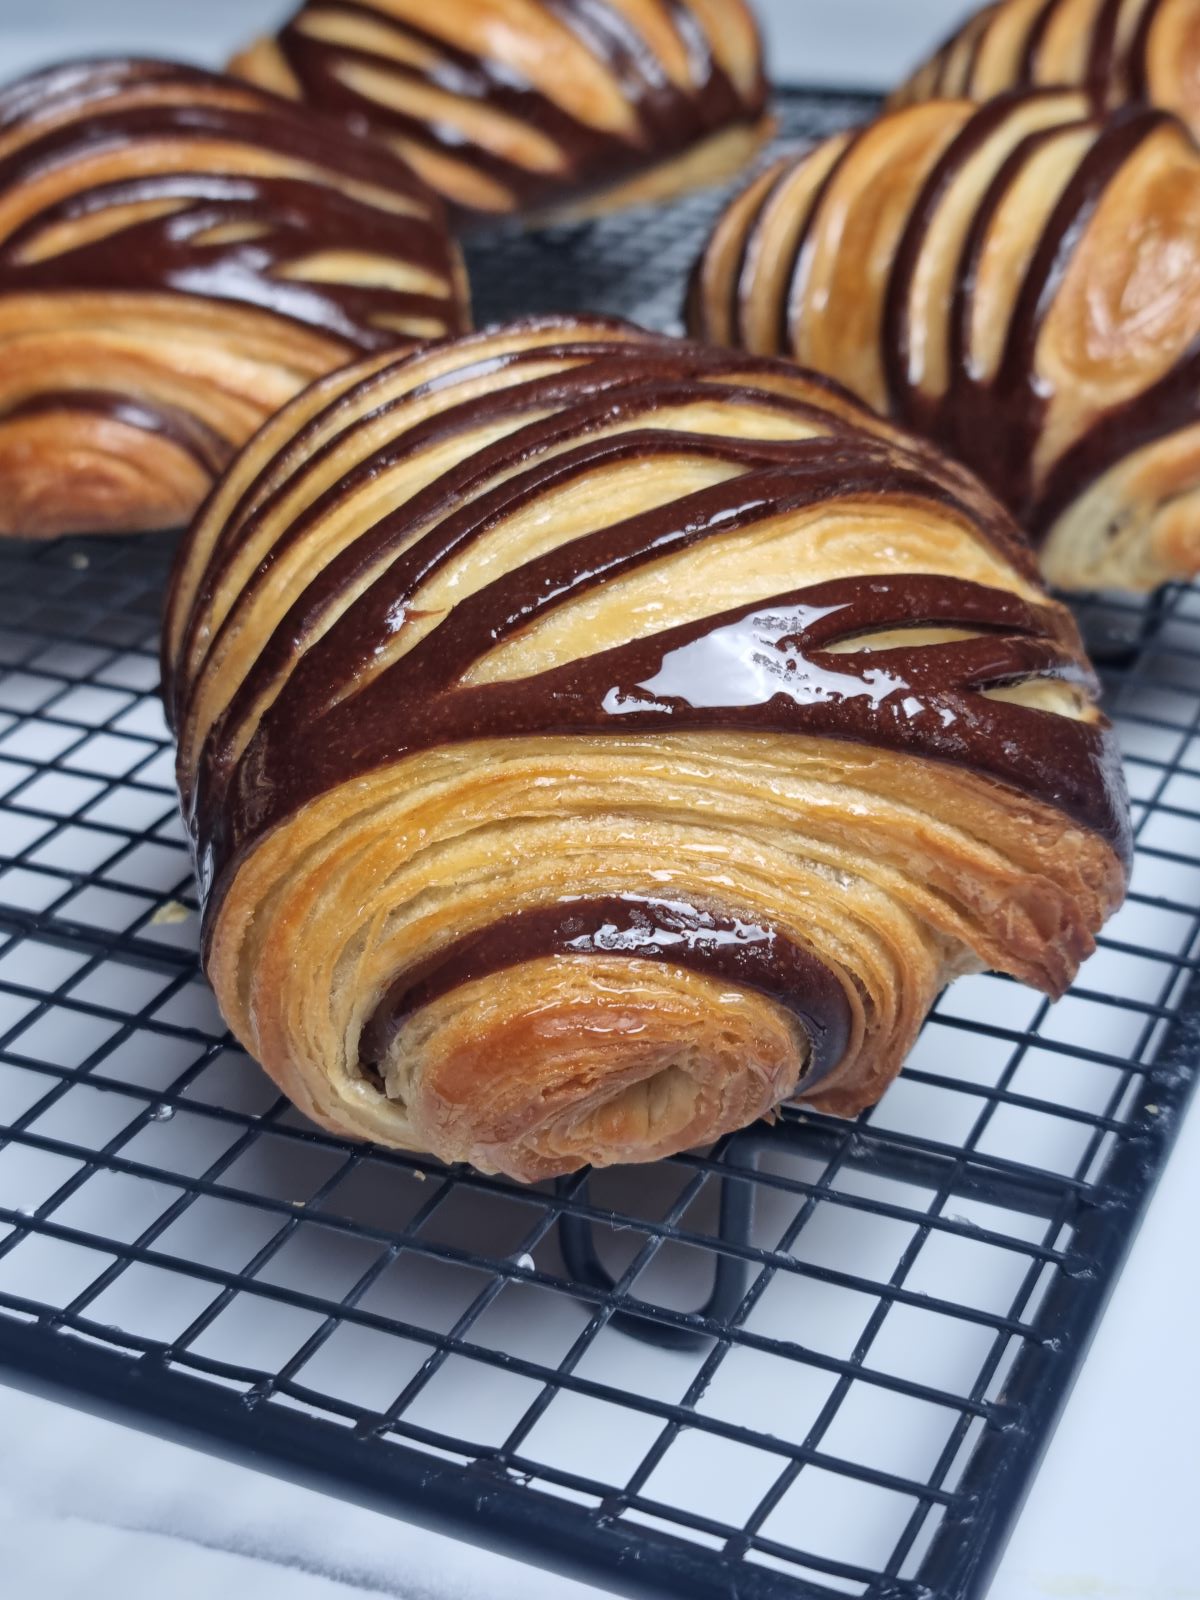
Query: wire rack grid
point(850, 1340)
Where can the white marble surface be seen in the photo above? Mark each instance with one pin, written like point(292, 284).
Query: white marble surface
point(90, 1509)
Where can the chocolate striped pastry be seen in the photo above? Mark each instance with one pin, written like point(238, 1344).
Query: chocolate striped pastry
point(1019, 281)
point(179, 255)
point(534, 106)
point(1121, 51)
point(590, 740)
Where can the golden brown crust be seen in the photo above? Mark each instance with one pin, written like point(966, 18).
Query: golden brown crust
point(1122, 52)
point(1019, 281)
point(545, 818)
point(174, 267)
point(526, 107)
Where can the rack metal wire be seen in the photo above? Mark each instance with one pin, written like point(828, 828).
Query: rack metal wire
point(851, 1340)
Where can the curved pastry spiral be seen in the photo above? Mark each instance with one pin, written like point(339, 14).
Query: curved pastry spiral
point(590, 740)
point(1019, 281)
point(179, 255)
point(1122, 52)
point(534, 106)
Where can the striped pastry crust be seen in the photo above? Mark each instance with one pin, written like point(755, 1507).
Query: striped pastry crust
point(1122, 52)
point(536, 107)
point(1019, 281)
point(179, 255)
point(590, 740)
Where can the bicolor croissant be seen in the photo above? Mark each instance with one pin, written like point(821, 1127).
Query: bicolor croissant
point(534, 106)
point(1021, 282)
point(179, 255)
point(590, 740)
point(1123, 52)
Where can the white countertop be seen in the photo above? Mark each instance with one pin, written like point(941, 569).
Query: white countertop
point(90, 1509)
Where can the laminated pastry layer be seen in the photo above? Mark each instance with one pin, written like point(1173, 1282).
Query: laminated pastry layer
point(1018, 281)
point(1121, 52)
point(179, 255)
point(534, 106)
point(590, 740)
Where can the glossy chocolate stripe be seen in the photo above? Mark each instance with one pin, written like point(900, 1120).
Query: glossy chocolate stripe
point(306, 456)
point(100, 125)
point(294, 452)
point(159, 256)
point(310, 457)
point(481, 620)
point(993, 421)
point(204, 444)
point(1102, 64)
point(897, 323)
point(323, 666)
point(88, 81)
point(295, 217)
point(679, 681)
point(738, 285)
point(590, 372)
point(971, 65)
point(1034, 39)
point(582, 399)
point(966, 273)
point(815, 475)
point(670, 118)
point(313, 60)
point(1112, 63)
point(994, 426)
point(240, 530)
point(1119, 138)
point(803, 248)
point(1139, 51)
point(706, 940)
point(776, 478)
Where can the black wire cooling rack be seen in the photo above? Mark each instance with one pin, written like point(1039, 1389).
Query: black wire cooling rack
point(850, 1340)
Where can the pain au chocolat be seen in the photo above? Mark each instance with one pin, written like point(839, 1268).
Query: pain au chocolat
point(180, 254)
point(590, 740)
point(534, 106)
point(1121, 52)
point(1019, 281)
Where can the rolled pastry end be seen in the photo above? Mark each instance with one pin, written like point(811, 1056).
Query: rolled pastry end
point(70, 474)
point(575, 1031)
point(566, 1062)
point(180, 255)
point(1136, 527)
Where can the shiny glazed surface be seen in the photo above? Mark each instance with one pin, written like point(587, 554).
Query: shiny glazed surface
point(1019, 281)
point(1123, 52)
point(523, 105)
point(568, 710)
point(179, 253)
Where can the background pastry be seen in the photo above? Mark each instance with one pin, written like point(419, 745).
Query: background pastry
point(1021, 282)
point(179, 255)
point(591, 739)
point(534, 105)
point(1121, 51)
